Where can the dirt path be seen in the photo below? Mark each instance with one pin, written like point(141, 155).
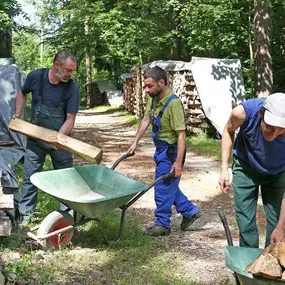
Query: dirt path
point(203, 244)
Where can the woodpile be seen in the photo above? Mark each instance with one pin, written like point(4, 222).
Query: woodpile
point(6, 203)
point(271, 263)
point(183, 85)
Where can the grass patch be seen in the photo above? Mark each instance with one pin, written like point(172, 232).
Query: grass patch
point(137, 259)
point(203, 145)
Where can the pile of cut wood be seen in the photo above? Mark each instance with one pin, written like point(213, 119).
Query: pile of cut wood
point(6, 203)
point(182, 83)
point(271, 263)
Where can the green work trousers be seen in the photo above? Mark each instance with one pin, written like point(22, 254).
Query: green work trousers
point(246, 184)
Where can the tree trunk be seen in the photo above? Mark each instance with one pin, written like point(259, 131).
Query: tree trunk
point(263, 79)
point(6, 43)
point(176, 42)
point(88, 81)
point(88, 69)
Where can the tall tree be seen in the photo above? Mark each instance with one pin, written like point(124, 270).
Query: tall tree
point(8, 9)
point(263, 78)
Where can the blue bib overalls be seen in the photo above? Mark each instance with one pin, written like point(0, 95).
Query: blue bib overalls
point(167, 192)
point(51, 118)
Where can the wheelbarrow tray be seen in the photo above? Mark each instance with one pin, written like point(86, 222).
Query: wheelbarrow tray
point(90, 190)
point(237, 258)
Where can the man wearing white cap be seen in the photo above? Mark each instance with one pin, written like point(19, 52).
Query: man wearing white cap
point(258, 161)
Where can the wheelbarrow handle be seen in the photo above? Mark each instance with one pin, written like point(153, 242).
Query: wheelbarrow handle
point(124, 156)
point(162, 177)
point(226, 228)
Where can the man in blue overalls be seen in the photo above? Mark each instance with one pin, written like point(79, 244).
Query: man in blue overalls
point(55, 103)
point(165, 112)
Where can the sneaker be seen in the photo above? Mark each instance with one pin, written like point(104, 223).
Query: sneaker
point(156, 231)
point(189, 220)
point(25, 220)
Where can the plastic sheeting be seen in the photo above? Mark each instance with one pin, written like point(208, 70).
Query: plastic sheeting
point(115, 96)
point(169, 65)
point(11, 79)
point(220, 87)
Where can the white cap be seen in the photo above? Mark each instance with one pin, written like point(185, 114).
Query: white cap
point(274, 106)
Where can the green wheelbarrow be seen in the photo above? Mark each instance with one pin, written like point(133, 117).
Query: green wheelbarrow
point(237, 258)
point(90, 191)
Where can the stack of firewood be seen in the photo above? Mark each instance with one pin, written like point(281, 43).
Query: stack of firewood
point(271, 263)
point(182, 84)
point(6, 203)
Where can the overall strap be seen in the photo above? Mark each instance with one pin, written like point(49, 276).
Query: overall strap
point(173, 96)
point(65, 90)
point(41, 84)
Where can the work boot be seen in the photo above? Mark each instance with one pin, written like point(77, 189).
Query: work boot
point(156, 231)
point(189, 220)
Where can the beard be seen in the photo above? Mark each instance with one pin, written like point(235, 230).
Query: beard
point(60, 76)
point(155, 93)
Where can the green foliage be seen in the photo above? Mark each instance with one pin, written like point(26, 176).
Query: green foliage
point(203, 145)
point(119, 34)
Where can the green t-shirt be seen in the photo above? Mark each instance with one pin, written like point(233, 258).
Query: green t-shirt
point(172, 119)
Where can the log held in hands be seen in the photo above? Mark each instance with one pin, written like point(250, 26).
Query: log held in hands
point(61, 141)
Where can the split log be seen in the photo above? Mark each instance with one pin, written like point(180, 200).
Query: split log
point(270, 267)
point(5, 225)
point(267, 266)
point(6, 201)
point(278, 251)
point(58, 140)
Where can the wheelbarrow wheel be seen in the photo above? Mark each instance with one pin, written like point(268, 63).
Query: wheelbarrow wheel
point(55, 221)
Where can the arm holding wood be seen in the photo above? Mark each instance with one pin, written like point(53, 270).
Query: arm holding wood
point(21, 100)
point(278, 233)
point(68, 125)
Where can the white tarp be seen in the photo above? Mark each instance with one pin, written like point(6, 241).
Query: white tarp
point(220, 87)
point(115, 96)
point(11, 80)
point(169, 65)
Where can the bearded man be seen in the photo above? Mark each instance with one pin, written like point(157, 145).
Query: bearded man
point(165, 112)
point(54, 105)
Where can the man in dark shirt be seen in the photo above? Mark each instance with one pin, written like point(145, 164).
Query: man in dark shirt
point(55, 103)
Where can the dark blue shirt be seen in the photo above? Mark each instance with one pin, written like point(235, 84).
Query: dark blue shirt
point(52, 93)
point(251, 147)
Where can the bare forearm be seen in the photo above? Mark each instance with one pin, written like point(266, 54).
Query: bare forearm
point(68, 125)
point(21, 100)
point(142, 129)
point(227, 144)
point(281, 222)
point(180, 147)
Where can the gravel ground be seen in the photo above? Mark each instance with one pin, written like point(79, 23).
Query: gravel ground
point(203, 244)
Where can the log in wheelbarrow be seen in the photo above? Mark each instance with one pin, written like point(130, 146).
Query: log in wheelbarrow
point(89, 190)
point(238, 258)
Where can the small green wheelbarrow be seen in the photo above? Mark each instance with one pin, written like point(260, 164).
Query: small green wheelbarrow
point(90, 191)
point(237, 258)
